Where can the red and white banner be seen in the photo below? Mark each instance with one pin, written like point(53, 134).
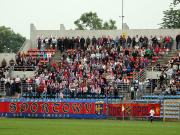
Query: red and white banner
point(132, 110)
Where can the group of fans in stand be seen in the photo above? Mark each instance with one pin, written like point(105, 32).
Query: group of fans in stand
point(89, 67)
point(64, 43)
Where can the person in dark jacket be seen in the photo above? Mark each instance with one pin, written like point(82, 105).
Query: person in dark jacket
point(94, 41)
point(66, 43)
point(60, 45)
point(77, 42)
point(133, 42)
point(129, 41)
point(50, 41)
point(82, 42)
point(178, 42)
point(73, 43)
point(88, 42)
point(39, 43)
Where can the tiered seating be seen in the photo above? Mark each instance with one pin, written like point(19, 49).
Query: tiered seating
point(123, 87)
point(24, 68)
point(91, 71)
point(35, 50)
point(42, 55)
point(67, 96)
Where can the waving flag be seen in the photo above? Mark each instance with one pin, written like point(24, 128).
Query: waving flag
point(123, 108)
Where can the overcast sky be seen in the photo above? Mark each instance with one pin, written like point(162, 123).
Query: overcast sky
point(49, 14)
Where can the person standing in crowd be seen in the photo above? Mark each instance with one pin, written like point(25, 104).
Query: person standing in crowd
point(54, 42)
point(77, 42)
point(178, 42)
point(122, 42)
point(154, 41)
point(145, 43)
point(88, 42)
point(141, 41)
point(129, 41)
point(60, 45)
point(50, 41)
point(167, 40)
point(66, 43)
point(39, 43)
point(94, 41)
point(72, 43)
point(133, 42)
point(152, 114)
point(46, 42)
point(82, 42)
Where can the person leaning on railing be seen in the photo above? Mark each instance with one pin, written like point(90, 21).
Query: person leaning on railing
point(178, 42)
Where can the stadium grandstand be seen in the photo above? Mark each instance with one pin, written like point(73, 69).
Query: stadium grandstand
point(110, 69)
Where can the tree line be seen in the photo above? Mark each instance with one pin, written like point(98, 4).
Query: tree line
point(171, 18)
point(9, 40)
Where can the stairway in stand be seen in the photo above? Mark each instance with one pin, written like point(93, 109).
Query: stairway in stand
point(165, 59)
point(57, 56)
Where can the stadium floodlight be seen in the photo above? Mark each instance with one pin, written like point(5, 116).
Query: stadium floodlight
point(122, 16)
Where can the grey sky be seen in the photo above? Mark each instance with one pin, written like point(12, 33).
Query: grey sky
point(49, 14)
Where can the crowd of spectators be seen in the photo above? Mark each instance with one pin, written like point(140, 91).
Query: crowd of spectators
point(32, 58)
point(64, 43)
point(94, 66)
point(23, 59)
point(88, 67)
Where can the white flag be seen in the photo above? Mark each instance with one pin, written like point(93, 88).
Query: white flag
point(123, 108)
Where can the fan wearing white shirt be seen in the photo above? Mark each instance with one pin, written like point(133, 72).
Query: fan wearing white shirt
point(54, 42)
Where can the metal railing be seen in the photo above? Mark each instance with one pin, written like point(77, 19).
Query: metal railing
point(32, 90)
point(122, 87)
point(24, 68)
point(27, 87)
point(171, 110)
point(140, 76)
point(2, 88)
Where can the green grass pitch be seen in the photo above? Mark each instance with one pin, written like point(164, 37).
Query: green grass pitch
point(86, 127)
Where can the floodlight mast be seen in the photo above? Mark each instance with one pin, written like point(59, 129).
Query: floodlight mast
point(122, 16)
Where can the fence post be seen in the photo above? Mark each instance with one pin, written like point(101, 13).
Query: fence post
point(179, 111)
point(123, 110)
point(21, 88)
point(163, 111)
point(0, 88)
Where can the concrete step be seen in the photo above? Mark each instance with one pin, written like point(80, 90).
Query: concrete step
point(165, 59)
point(57, 57)
point(22, 74)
